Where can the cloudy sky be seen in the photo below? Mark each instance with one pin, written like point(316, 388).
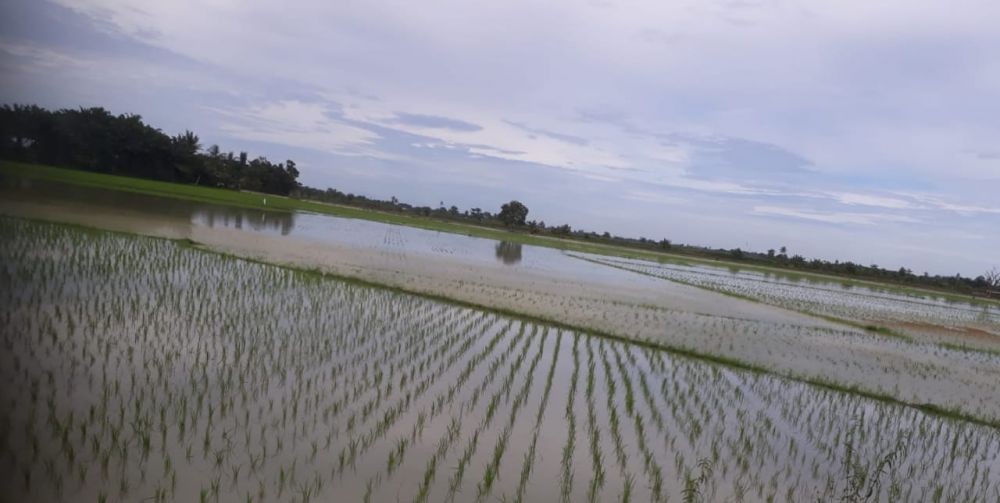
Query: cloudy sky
point(859, 130)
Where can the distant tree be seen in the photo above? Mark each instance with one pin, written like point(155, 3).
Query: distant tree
point(562, 230)
point(736, 253)
point(992, 280)
point(513, 213)
point(665, 244)
point(770, 253)
point(190, 167)
point(188, 143)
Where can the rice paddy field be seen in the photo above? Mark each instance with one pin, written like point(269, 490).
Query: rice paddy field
point(211, 353)
point(141, 369)
point(976, 322)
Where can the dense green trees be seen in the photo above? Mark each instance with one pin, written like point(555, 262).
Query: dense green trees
point(93, 139)
point(513, 213)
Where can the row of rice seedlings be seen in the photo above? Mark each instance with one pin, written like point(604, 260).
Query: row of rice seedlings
point(611, 385)
point(491, 473)
point(569, 449)
point(829, 297)
point(445, 398)
point(596, 455)
point(651, 467)
point(395, 411)
point(529, 457)
point(918, 370)
point(456, 480)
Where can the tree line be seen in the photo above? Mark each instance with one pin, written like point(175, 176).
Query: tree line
point(93, 139)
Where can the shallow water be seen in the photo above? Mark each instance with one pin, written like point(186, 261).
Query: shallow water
point(181, 213)
point(137, 369)
point(859, 302)
point(452, 265)
point(549, 284)
point(807, 293)
point(368, 236)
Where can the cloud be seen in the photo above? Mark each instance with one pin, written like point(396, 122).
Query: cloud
point(742, 158)
point(434, 122)
point(870, 200)
point(658, 36)
point(936, 202)
point(655, 197)
point(39, 58)
point(568, 138)
point(297, 124)
point(833, 217)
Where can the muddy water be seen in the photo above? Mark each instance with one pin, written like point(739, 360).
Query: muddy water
point(136, 369)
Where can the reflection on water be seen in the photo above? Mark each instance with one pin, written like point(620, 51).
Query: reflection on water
point(508, 252)
point(238, 218)
point(182, 212)
point(172, 217)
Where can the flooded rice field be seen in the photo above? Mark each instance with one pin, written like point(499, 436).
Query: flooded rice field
point(138, 369)
point(908, 310)
point(627, 299)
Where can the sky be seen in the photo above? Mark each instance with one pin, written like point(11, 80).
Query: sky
point(855, 130)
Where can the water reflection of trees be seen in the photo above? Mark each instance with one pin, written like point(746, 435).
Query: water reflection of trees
point(508, 252)
point(237, 218)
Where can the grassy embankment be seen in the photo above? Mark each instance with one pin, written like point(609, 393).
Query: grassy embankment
point(279, 203)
